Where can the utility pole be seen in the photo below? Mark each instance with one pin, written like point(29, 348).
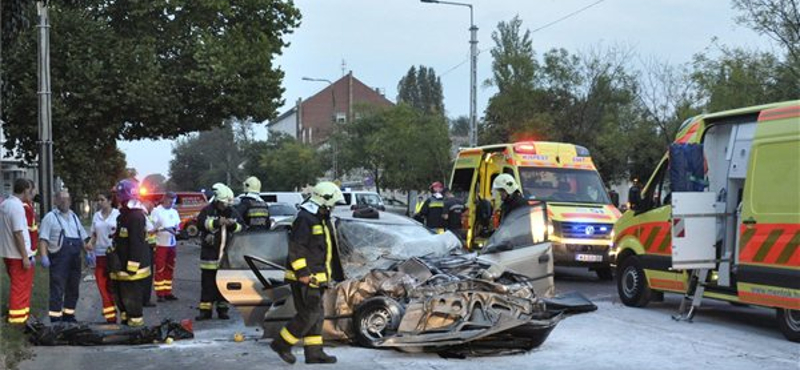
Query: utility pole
point(473, 74)
point(45, 110)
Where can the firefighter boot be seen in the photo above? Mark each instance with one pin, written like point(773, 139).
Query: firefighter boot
point(222, 311)
point(315, 355)
point(284, 350)
point(204, 315)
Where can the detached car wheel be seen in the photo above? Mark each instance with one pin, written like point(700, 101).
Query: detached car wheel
point(375, 319)
point(192, 231)
point(632, 283)
point(789, 322)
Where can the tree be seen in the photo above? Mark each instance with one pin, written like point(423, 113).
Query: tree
point(200, 160)
point(399, 147)
point(282, 163)
point(421, 89)
point(459, 126)
point(144, 69)
point(155, 183)
point(779, 20)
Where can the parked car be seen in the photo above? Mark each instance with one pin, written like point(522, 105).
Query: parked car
point(358, 198)
point(282, 213)
point(292, 198)
point(188, 204)
point(396, 206)
point(516, 266)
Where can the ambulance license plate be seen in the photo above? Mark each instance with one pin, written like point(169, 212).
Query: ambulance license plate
point(589, 258)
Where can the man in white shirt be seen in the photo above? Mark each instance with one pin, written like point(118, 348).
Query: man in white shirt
point(15, 248)
point(166, 221)
point(61, 240)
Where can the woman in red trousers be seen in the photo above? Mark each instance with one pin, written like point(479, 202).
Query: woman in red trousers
point(104, 224)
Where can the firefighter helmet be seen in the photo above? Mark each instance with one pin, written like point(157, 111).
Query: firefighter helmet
point(222, 193)
point(326, 194)
point(505, 182)
point(252, 185)
point(126, 190)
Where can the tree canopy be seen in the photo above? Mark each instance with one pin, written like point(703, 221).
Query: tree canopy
point(131, 70)
point(421, 89)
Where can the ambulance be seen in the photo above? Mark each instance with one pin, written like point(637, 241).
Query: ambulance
point(579, 211)
point(720, 217)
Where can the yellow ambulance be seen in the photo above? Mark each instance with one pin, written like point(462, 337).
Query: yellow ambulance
point(720, 216)
point(580, 213)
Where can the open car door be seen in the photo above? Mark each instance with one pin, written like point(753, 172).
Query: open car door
point(251, 273)
point(521, 244)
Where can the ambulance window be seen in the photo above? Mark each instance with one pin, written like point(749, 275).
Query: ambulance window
point(776, 178)
point(462, 179)
point(658, 193)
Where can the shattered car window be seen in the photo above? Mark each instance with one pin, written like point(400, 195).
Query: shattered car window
point(522, 227)
point(365, 244)
point(272, 246)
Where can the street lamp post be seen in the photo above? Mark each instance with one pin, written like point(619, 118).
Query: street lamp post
point(333, 119)
point(473, 75)
point(45, 122)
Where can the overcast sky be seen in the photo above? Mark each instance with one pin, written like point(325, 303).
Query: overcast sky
point(380, 39)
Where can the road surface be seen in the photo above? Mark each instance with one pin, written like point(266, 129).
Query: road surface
point(614, 337)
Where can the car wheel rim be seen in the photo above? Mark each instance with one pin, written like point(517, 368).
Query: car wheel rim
point(630, 282)
point(374, 324)
point(792, 318)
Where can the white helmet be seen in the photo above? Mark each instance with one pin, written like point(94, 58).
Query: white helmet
point(252, 185)
point(326, 194)
point(222, 193)
point(505, 182)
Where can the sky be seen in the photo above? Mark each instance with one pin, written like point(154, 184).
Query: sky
point(379, 40)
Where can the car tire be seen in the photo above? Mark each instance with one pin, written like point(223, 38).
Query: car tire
point(375, 319)
point(789, 323)
point(605, 273)
point(192, 231)
point(632, 283)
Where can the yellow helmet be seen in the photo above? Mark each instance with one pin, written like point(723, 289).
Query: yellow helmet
point(252, 185)
point(222, 193)
point(326, 194)
point(505, 182)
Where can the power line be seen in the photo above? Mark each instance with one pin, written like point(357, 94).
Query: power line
point(570, 15)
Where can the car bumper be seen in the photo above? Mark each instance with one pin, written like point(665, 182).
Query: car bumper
point(582, 255)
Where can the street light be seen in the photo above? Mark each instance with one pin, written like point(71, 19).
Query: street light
point(333, 118)
point(473, 56)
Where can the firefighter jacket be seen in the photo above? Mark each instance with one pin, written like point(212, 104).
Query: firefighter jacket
point(432, 212)
point(129, 258)
point(454, 207)
point(511, 203)
point(254, 212)
point(312, 248)
point(210, 227)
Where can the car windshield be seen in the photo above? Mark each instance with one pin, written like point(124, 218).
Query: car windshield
point(368, 199)
point(563, 185)
point(282, 210)
point(366, 244)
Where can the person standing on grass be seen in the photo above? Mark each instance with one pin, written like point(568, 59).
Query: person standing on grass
point(15, 248)
point(104, 225)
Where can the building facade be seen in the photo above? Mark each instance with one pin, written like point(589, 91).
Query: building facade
point(311, 121)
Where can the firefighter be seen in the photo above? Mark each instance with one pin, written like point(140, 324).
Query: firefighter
point(251, 207)
point(312, 262)
point(432, 212)
point(152, 241)
point(454, 208)
point(218, 221)
point(509, 193)
point(129, 258)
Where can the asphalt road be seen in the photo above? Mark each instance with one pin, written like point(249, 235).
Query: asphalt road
point(613, 337)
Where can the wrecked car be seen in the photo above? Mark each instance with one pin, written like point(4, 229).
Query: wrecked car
point(409, 288)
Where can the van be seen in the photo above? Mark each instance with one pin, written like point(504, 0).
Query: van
point(720, 217)
point(353, 198)
point(292, 198)
point(581, 216)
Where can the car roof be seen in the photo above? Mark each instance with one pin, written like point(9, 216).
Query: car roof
point(387, 218)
